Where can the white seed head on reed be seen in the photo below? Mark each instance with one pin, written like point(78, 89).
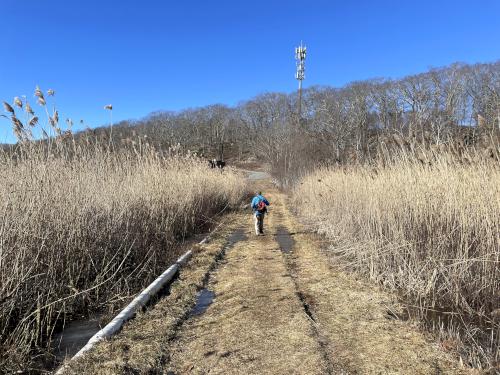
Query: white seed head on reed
point(108, 107)
point(41, 101)
point(18, 102)
point(28, 109)
point(51, 92)
point(38, 92)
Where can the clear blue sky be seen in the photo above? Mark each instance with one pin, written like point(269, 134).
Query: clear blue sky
point(148, 55)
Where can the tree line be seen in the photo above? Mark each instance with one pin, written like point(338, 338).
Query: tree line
point(457, 106)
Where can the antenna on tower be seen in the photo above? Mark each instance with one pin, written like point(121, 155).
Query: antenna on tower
point(300, 75)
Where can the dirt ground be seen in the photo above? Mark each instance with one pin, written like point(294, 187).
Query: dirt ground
point(279, 307)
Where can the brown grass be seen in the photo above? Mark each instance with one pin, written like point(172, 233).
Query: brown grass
point(81, 225)
point(257, 323)
point(430, 232)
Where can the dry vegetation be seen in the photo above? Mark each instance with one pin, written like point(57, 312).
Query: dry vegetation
point(431, 232)
point(82, 224)
point(273, 313)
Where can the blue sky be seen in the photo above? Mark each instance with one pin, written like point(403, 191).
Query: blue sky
point(143, 56)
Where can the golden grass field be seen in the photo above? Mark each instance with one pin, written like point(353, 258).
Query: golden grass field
point(430, 232)
point(82, 226)
point(274, 311)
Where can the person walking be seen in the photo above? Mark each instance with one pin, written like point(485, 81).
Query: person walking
point(259, 206)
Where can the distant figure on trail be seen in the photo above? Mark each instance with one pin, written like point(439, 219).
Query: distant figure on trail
point(214, 163)
point(259, 206)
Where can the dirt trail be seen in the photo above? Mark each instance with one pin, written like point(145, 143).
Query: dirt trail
point(280, 307)
point(256, 324)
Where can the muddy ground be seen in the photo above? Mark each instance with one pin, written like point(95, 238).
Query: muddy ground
point(272, 304)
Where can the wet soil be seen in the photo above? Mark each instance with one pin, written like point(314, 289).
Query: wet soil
point(205, 296)
point(204, 299)
point(284, 239)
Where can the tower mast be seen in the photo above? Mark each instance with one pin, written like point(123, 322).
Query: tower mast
point(300, 57)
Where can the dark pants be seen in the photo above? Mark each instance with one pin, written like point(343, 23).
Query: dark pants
point(259, 223)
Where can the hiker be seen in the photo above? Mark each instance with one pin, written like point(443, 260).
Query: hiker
point(259, 206)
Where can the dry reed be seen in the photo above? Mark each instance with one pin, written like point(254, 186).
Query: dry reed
point(431, 232)
point(80, 224)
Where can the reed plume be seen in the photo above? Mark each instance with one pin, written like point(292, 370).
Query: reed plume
point(8, 107)
point(18, 102)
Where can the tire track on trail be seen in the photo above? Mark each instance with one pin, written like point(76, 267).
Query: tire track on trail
point(287, 244)
point(356, 331)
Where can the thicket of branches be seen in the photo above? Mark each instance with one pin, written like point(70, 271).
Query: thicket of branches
point(456, 107)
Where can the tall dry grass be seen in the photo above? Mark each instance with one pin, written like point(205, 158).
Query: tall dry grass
point(74, 233)
point(81, 224)
point(431, 232)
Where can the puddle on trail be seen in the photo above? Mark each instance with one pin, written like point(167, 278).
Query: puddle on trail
point(205, 296)
point(75, 336)
point(284, 239)
point(204, 299)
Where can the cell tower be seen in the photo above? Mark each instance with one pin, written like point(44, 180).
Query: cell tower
point(300, 75)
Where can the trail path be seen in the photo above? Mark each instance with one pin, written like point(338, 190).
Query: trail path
point(280, 307)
